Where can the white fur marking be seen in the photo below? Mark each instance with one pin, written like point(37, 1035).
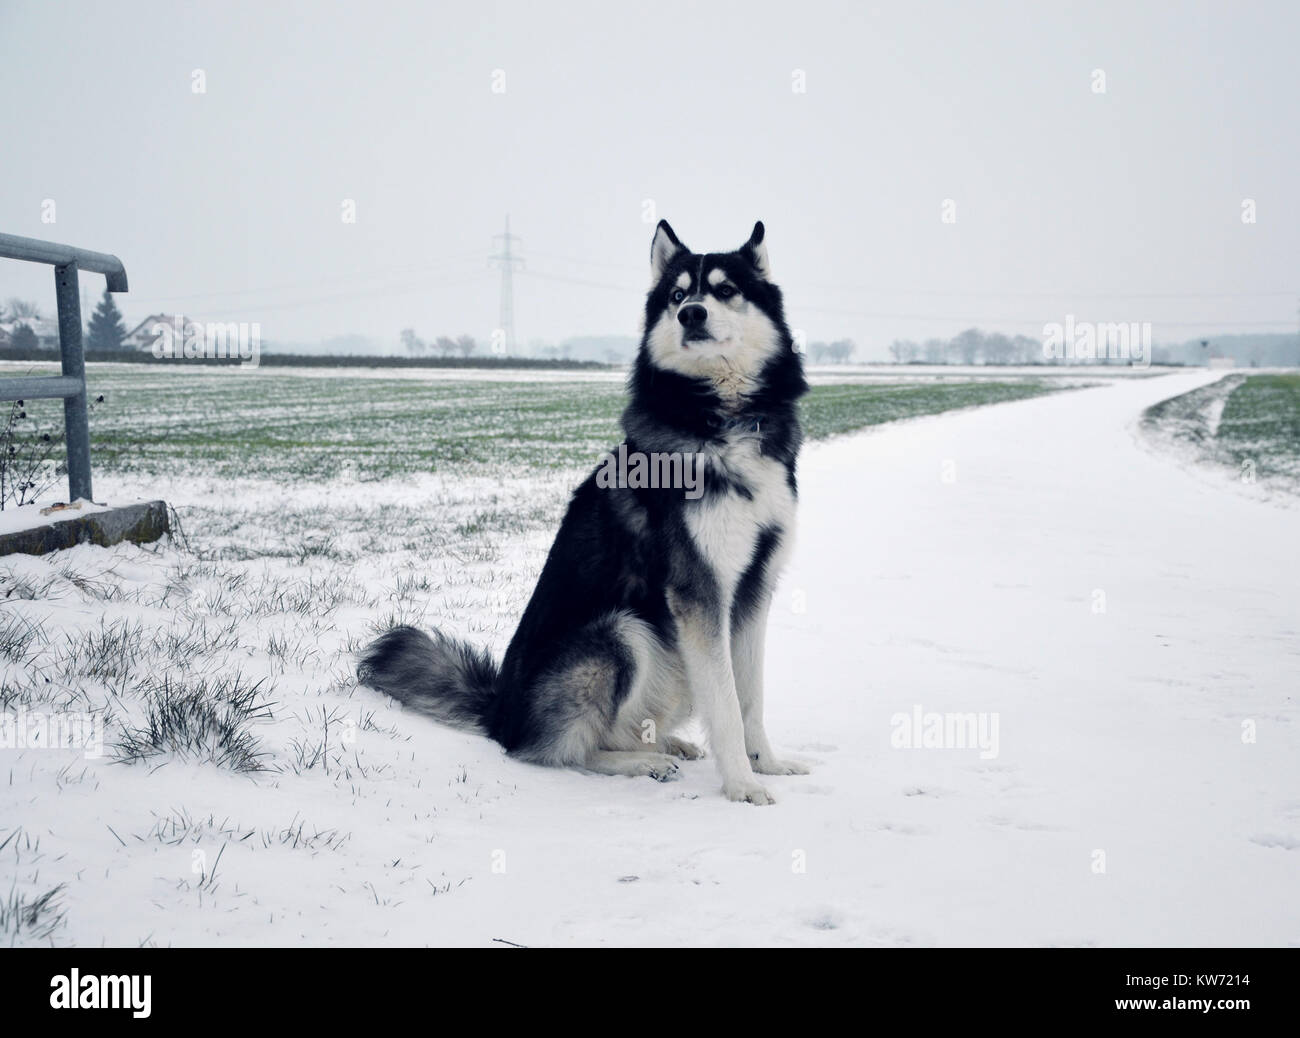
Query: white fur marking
point(727, 526)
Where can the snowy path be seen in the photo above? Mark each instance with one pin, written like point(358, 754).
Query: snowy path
point(1118, 732)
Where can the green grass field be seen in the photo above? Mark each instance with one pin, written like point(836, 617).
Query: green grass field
point(1248, 422)
point(290, 427)
point(1261, 423)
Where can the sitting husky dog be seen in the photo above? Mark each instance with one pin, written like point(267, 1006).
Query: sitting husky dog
point(653, 601)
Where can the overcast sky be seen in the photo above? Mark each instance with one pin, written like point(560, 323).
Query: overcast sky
point(1117, 206)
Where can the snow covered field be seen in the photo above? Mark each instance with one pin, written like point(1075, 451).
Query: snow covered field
point(1129, 622)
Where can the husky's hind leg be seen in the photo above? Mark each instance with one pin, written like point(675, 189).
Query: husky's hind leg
point(574, 704)
point(658, 703)
point(609, 688)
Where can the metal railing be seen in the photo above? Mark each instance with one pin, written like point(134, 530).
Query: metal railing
point(71, 384)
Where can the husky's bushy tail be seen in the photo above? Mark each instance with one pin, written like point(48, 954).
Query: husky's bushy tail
point(437, 676)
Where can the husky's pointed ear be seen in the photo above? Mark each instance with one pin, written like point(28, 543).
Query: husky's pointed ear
point(662, 250)
point(757, 252)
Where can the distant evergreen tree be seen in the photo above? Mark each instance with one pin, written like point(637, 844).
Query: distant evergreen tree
point(107, 329)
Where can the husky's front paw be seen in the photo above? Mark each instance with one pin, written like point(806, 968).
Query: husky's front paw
point(748, 793)
point(772, 766)
point(660, 767)
point(681, 748)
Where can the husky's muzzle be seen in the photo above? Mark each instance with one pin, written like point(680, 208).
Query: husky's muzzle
point(693, 318)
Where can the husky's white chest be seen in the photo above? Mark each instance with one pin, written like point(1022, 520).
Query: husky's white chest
point(726, 524)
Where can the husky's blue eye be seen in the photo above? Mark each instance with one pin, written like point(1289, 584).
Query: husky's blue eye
point(678, 296)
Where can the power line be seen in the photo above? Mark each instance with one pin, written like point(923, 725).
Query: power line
point(388, 290)
point(919, 318)
point(448, 262)
point(545, 276)
point(589, 262)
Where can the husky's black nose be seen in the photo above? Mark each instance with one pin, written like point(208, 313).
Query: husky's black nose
point(692, 315)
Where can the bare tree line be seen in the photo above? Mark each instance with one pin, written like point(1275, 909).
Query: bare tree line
point(970, 347)
point(838, 352)
point(442, 346)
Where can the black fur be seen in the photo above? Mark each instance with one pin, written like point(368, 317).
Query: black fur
point(619, 551)
point(754, 582)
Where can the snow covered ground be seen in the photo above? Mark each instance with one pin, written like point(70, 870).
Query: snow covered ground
point(1129, 623)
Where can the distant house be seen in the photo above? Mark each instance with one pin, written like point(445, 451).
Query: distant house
point(46, 329)
point(142, 336)
point(146, 333)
